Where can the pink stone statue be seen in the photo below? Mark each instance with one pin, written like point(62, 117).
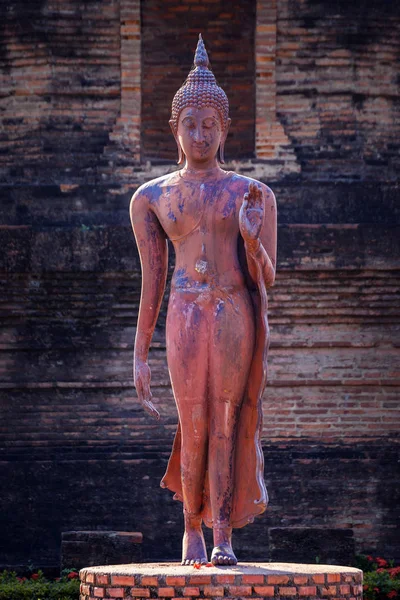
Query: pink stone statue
point(223, 229)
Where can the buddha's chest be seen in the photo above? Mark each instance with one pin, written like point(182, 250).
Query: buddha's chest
point(209, 208)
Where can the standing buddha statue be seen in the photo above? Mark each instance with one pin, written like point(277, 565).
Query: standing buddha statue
point(223, 229)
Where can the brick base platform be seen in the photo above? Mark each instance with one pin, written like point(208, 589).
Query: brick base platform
point(246, 580)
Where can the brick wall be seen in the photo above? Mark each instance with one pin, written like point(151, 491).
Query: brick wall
point(76, 450)
point(125, 137)
point(272, 142)
point(79, 453)
point(60, 87)
point(338, 86)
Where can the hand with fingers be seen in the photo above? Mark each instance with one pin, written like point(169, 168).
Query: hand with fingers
point(142, 378)
point(251, 215)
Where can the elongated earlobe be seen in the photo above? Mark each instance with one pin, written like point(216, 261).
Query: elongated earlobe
point(181, 156)
point(221, 153)
point(221, 148)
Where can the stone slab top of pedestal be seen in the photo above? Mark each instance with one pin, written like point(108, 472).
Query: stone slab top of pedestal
point(176, 569)
point(245, 580)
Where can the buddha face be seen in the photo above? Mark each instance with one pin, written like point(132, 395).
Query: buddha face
point(199, 134)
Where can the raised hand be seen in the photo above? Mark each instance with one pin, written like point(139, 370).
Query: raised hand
point(251, 213)
point(142, 376)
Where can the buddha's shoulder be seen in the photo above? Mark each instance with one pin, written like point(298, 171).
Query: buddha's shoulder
point(151, 191)
point(242, 182)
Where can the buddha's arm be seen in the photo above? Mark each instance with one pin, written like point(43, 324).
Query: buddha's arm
point(262, 251)
point(153, 251)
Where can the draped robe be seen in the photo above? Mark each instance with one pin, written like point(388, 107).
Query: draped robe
point(250, 496)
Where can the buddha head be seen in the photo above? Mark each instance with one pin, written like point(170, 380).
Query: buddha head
point(200, 112)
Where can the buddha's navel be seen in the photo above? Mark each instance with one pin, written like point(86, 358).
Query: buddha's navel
point(201, 266)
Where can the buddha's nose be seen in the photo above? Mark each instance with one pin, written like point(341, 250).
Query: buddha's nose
point(198, 135)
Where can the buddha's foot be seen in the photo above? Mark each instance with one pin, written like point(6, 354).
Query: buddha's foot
point(194, 548)
point(223, 555)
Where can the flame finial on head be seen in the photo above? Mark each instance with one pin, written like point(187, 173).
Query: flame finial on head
point(201, 56)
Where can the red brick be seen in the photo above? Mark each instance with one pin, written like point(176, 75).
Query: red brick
point(300, 579)
point(171, 580)
point(329, 590)
point(344, 590)
point(99, 592)
point(85, 589)
point(191, 591)
point(240, 590)
point(252, 578)
point(309, 590)
point(333, 577)
point(318, 578)
point(89, 578)
point(115, 592)
point(140, 591)
point(356, 590)
point(166, 591)
point(146, 580)
point(225, 579)
point(287, 591)
point(273, 579)
point(200, 579)
point(102, 579)
point(265, 590)
point(213, 590)
point(122, 580)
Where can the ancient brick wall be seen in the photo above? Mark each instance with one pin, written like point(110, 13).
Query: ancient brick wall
point(76, 450)
point(60, 87)
point(338, 86)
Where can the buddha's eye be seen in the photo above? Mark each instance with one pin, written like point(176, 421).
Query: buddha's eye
point(189, 123)
point(209, 124)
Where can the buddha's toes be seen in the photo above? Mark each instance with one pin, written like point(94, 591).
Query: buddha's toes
point(194, 548)
point(223, 555)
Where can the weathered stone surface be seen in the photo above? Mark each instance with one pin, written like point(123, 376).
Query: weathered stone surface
point(90, 548)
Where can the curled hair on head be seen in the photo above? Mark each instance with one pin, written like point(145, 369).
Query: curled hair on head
point(200, 90)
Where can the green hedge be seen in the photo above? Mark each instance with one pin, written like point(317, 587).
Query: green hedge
point(37, 587)
point(381, 578)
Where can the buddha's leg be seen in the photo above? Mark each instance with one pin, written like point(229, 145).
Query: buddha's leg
point(231, 352)
point(187, 342)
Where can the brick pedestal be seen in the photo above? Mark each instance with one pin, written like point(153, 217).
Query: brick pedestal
point(246, 580)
